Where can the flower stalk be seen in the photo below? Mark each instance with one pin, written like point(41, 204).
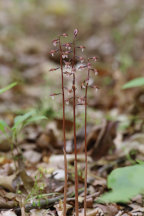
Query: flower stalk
point(64, 129)
point(68, 69)
point(85, 179)
point(74, 127)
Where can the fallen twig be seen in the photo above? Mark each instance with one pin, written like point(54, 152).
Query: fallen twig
point(44, 203)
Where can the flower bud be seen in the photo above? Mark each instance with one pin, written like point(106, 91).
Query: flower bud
point(75, 32)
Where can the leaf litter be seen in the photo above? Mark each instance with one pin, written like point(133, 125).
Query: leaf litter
point(116, 142)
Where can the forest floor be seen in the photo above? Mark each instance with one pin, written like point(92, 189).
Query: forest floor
point(115, 116)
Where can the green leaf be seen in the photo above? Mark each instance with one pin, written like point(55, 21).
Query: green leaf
point(21, 118)
point(34, 119)
point(125, 183)
point(3, 126)
point(8, 87)
point(134, 83)
point(26, 119)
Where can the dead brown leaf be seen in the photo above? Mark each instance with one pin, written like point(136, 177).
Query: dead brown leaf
point(8, 182)
point(101, 139)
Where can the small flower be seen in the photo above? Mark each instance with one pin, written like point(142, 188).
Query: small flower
point(67, 64)
point(82, 67)
point(95, 87)
point(64, 35)
point(52, 52)
point(69, 91)
point(55, 42)
point(75, 32)
point(53, 95)
point(54, 69)
point(81, 47)
point(67, 101)
point(89, 65)
point(81, 59)
point(67, 74)
point(67, 46)
point(94, 58)
point(95, 72)
point(83, 85)
point(81, 99)
point(65, 54)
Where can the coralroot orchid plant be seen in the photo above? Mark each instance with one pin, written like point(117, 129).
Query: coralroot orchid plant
point(69, 68)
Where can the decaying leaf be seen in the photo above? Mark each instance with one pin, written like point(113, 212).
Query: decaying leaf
point(41, 212)
point(26, 179)
point(59, 159)
point(101, 139)
point(93, 212)
point(59, 208)
point(59, 175)
point(8, 182)
point(47, 141)
point(32, 156)
point(7, 213)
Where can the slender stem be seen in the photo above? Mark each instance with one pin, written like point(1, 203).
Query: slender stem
point(74, 129)
point(64, 137)
point(85, 183)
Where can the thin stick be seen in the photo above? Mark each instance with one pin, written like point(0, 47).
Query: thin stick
point(64, 137)
point(85, 183)
point(74, 129)
point(42, 203)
